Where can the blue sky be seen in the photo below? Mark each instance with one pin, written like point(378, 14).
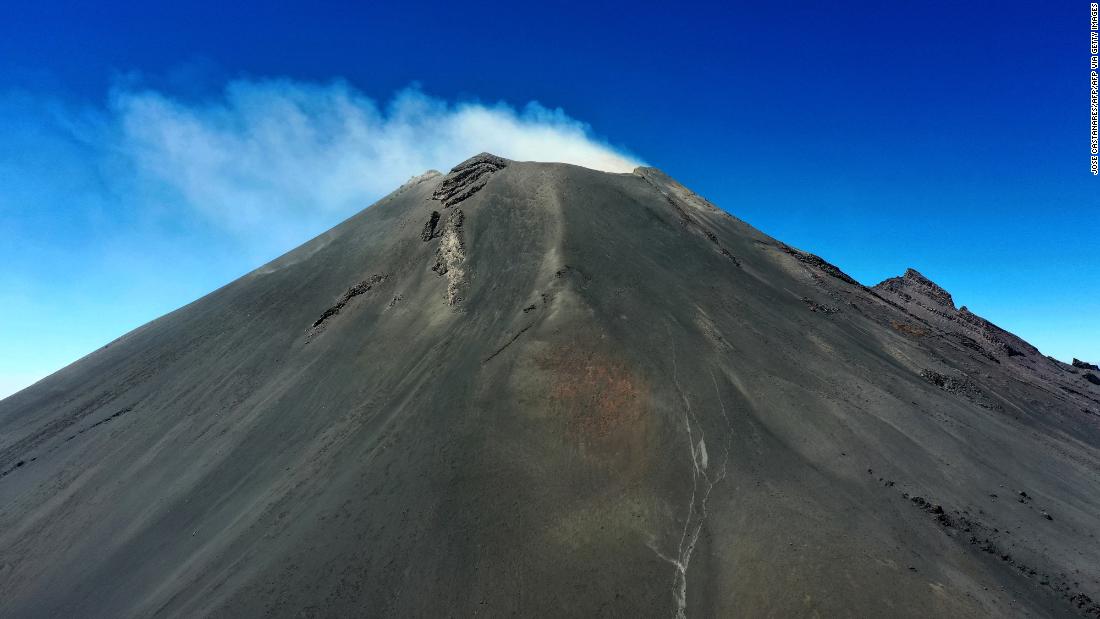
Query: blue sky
point(149, 155)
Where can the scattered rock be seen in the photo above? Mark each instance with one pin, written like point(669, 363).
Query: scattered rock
point(818, 307)
point(985, 541)
point(963, 386)
point(734, 259)
point(579, 277)
point(713, 238)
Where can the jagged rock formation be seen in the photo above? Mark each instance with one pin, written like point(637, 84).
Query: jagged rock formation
point(467, 178)
point(362, 287)
point(529, 389)
point(934, 312)
point(450, 255)
point(919, 290)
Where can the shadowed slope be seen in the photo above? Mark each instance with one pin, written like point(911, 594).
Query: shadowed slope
point(537, 389)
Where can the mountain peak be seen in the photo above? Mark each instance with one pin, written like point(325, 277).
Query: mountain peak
point(520, 383)
point(914, 283)
point(482, 158)
point(911, 273)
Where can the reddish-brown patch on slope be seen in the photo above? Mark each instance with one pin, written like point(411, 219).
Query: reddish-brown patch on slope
point(908, 329)
point(602, 403)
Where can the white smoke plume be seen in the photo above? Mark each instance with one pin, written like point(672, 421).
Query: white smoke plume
point(115, 212)
point(267, 150)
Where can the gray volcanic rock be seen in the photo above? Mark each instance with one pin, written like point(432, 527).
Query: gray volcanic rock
point(467, 178)
point(918, 289)
point(532, 389)
point(933, 305)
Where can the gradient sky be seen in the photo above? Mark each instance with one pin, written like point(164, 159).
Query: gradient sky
point(951, 137)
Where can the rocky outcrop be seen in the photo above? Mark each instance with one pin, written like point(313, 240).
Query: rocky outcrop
point(927, 300)
point(429, 231)
point(818, 263)
point(1084, 365)
point(362, 287)
point(450, 256)
point(467, 178)
point(1002, 340)
point(819, 307)
point(913, 285)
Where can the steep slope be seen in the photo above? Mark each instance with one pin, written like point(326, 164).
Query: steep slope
point(540, 390)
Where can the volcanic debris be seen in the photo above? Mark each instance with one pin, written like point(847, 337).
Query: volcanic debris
point(389, 463)
point(983, 537)
point(450, 255)
point(964, 386)
point(429, 231)
point(356, 290)
point(913, 281)
point(467, 178)
point(655, 178)
point(819, 263)
point(819, 307)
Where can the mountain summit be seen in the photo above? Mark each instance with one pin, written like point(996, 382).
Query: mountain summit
point(534, 389)
point(914, 287)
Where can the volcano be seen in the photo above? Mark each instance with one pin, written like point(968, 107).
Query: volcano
point(534, 389)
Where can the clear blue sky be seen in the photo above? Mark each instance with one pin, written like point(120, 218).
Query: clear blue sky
point(947, 136)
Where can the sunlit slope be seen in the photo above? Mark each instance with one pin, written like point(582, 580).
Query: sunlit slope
point(535, 389)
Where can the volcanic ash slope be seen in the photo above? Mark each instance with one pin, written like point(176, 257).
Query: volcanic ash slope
point(532, 389)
